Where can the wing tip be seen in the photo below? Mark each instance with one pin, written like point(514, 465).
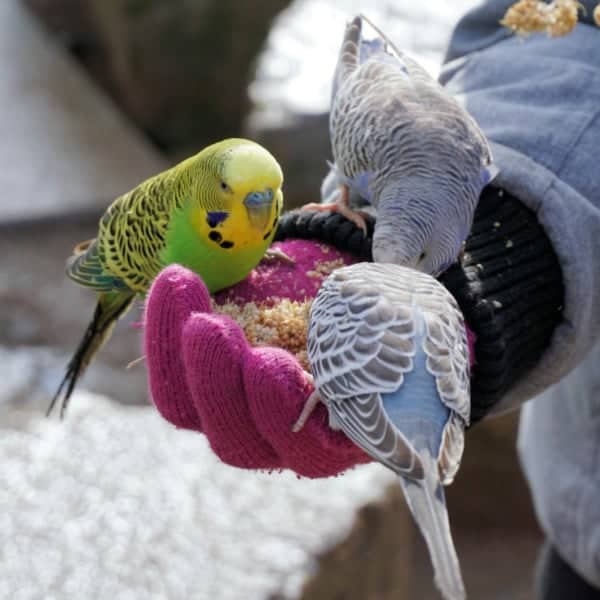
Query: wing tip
point(85, 269)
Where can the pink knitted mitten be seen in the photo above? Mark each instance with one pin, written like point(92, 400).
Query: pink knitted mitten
point(205, 376)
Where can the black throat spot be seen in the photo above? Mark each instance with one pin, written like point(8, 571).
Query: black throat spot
point(217, 238)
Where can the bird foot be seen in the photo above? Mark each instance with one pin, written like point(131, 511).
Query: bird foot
point(277, 254)
point(352, 215)
point(320, 207)
point(309, 406)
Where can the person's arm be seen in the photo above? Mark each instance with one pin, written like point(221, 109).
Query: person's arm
point(538, 101)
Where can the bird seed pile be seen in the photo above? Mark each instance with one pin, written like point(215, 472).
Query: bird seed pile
point(283, 325)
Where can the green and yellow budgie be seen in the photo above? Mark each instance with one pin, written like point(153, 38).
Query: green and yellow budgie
point(215, 213)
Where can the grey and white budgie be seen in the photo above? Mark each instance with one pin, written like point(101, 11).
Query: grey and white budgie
point(408, 148)
point(390, 359)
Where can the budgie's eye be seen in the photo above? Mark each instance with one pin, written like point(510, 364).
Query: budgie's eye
point(423, 255)
point(225, 187)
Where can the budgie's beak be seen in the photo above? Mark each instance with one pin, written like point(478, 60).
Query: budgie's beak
point(258, 205)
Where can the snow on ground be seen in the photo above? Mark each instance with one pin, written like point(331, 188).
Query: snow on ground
point(116, 503)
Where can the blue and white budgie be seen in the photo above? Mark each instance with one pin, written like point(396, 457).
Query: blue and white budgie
point(407, 147)
point(389, 355)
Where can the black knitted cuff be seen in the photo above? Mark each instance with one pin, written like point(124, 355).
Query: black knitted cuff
point(328, 227)
point(508, 285)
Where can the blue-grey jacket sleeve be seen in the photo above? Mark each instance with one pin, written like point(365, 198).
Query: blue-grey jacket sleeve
point(538, 101)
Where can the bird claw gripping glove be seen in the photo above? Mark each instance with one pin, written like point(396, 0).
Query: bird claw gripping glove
point(205, 376)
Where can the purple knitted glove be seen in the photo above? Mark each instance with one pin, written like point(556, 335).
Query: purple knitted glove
point(205, 376)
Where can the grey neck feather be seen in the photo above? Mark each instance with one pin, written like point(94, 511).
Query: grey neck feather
point(421, 213)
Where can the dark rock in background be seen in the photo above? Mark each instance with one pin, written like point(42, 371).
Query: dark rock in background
point(374, 560)
point(183, 79)
point(179, 69)
point(302, 147)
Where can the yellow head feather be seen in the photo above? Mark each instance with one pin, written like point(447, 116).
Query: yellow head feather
point(236, 177)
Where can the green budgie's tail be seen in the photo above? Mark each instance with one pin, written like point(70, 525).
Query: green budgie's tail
point(110, 306)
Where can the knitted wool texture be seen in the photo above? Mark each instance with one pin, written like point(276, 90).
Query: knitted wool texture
point(204, 376)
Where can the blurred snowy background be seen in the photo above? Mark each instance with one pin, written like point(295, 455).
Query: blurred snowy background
point(294, 73)
point(114, 503)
